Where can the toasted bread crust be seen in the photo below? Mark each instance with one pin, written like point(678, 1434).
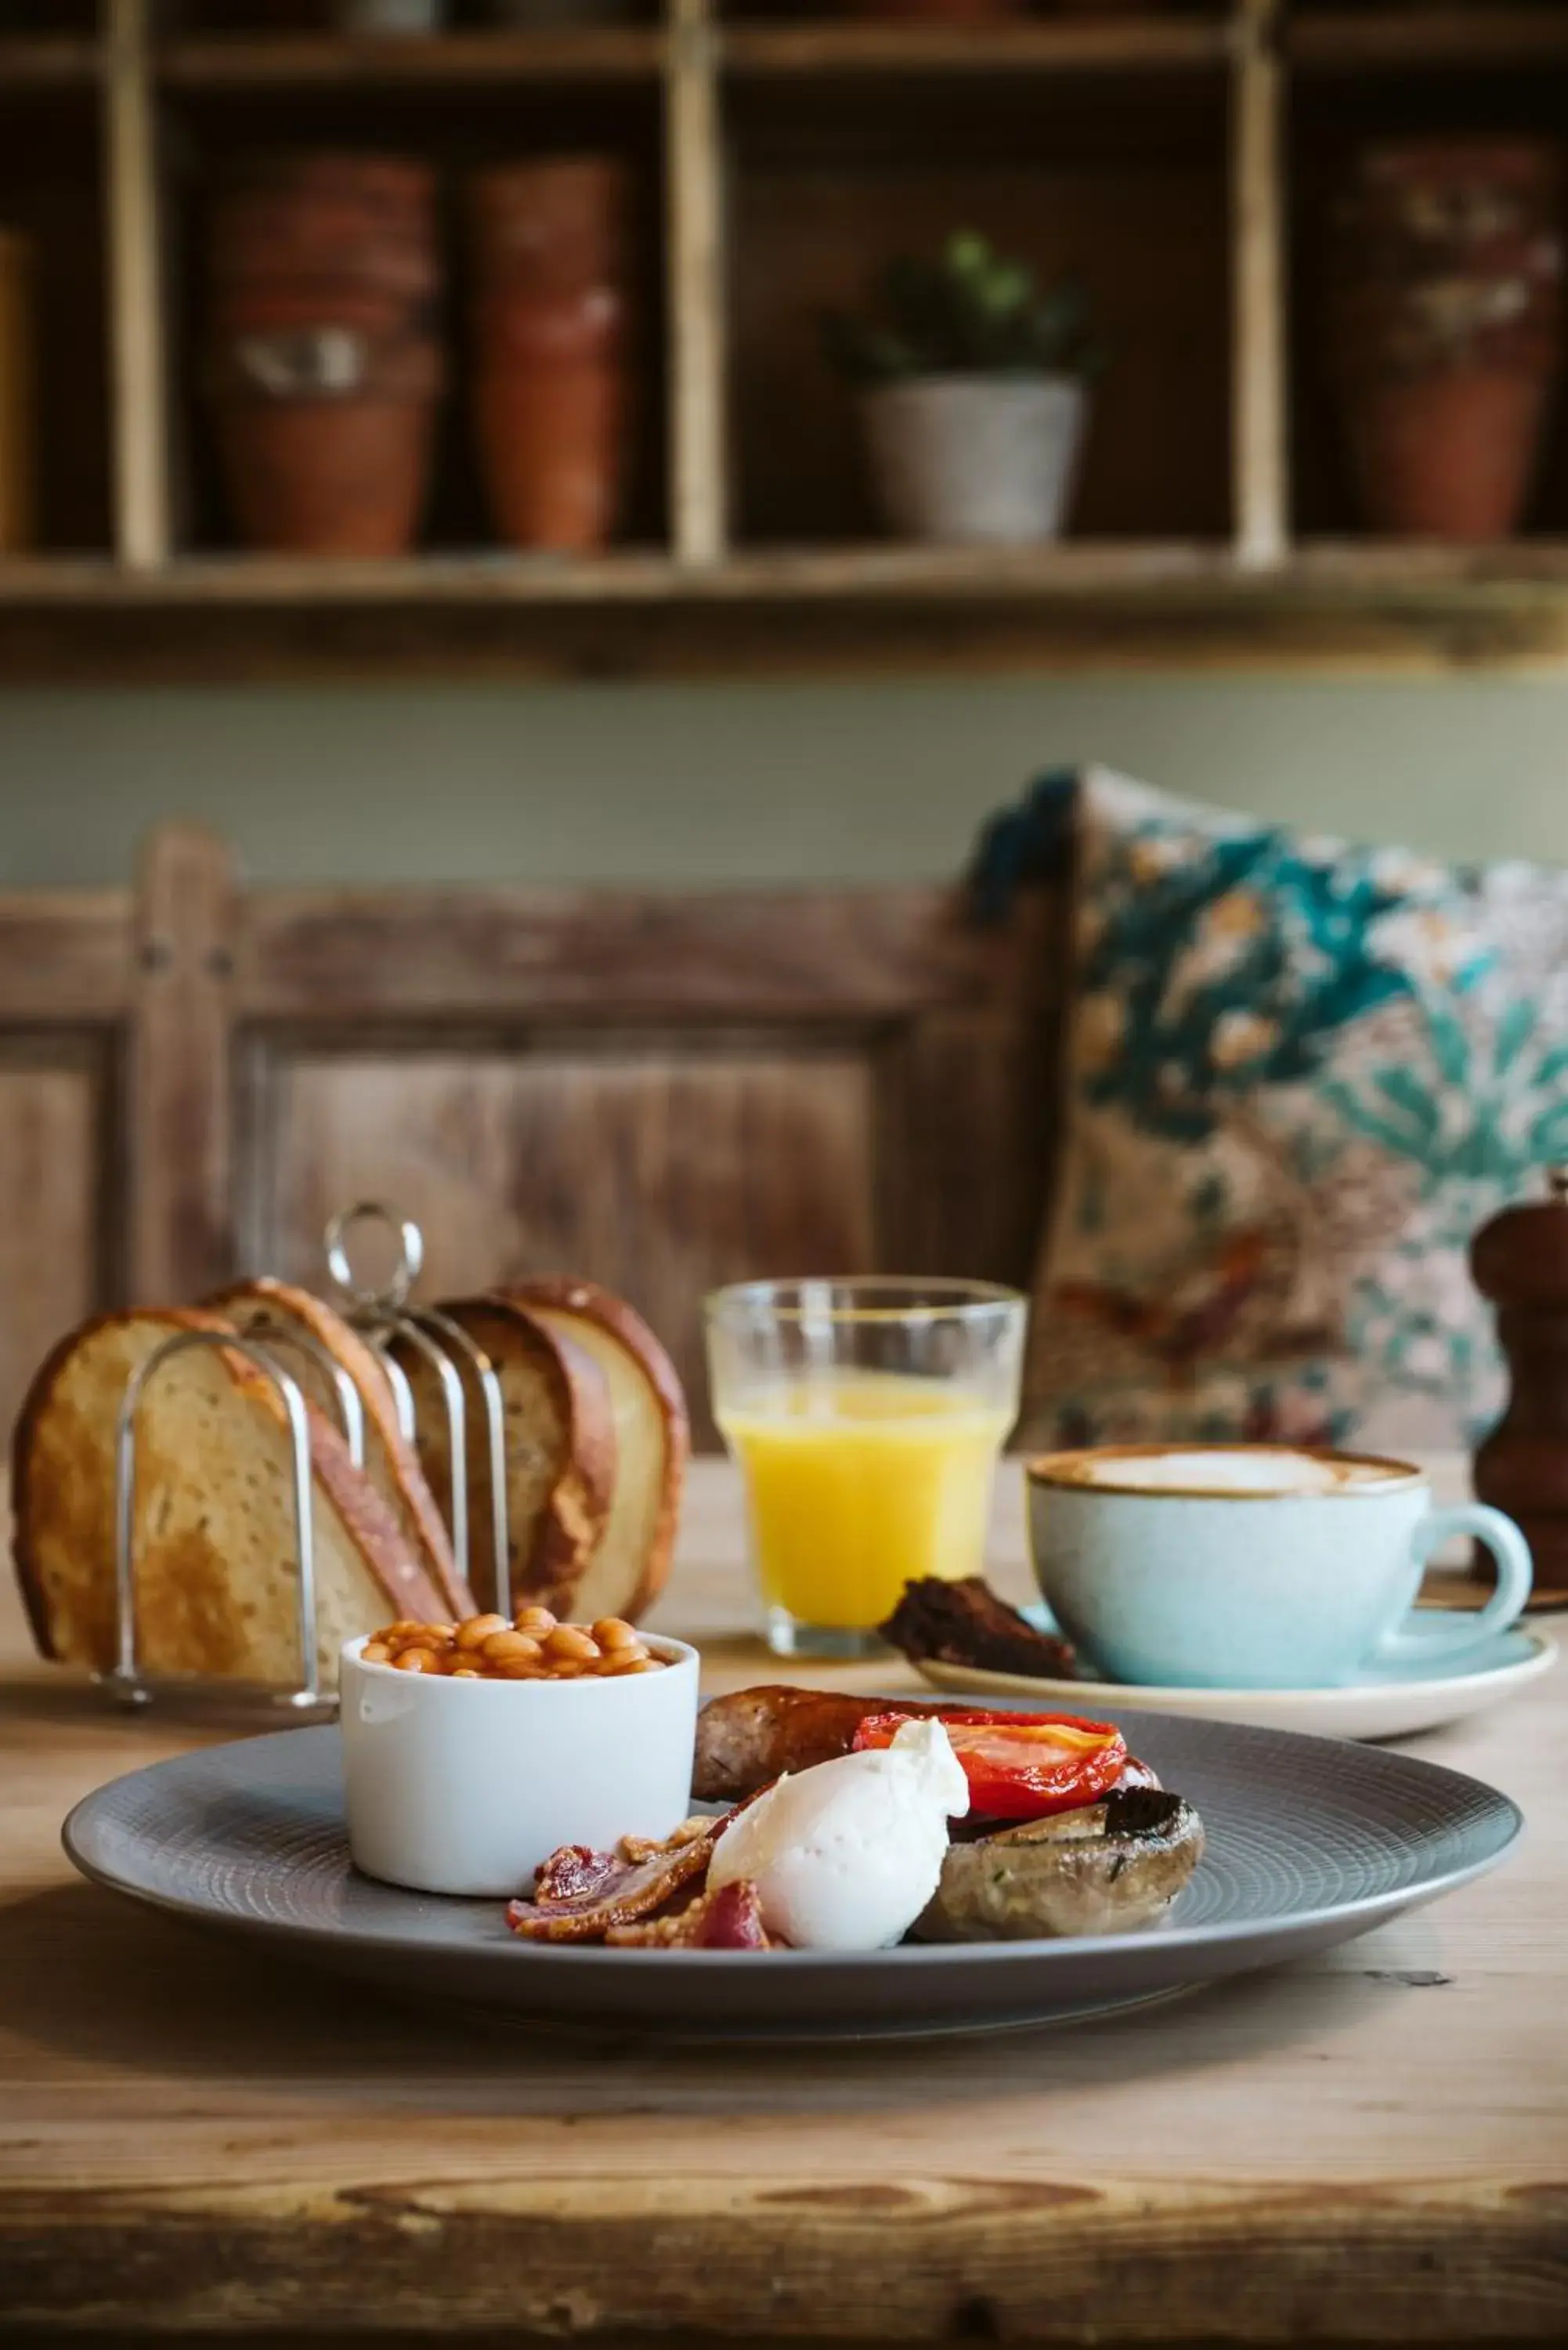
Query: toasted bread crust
point(25, 1501)
point(366, 1517)
point(579, 1506)
point(348, 1348)
point(375, 1531)
point(572, 1295)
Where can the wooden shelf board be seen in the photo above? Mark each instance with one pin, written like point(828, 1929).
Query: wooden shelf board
point(320, 60)
point(44, 63)
point(816, 613)
point(870, 574)
point(1126, 45)
point(1520, 566)
point(1435, 39)
point(67, 578)
point(879, 572)
point(1109, 572)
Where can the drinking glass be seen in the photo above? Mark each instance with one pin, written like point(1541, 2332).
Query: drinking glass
point(867, 1417)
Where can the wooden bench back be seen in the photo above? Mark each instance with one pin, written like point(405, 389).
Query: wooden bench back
point(663, 1092)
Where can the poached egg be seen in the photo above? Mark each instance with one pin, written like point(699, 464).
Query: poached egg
point(844, 1856)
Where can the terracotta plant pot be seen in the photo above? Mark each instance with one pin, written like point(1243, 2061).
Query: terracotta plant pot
point(554, 225)
point(327, 219)
point(551, 440)
point(391, 185)
point(1445, 330)
point(323, 361)
point(551, 388)
point(1448, 456)
point(329, 477)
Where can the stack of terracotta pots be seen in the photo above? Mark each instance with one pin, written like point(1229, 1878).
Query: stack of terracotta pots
point(551, 365)
point(323, 359)
point(1446, 329)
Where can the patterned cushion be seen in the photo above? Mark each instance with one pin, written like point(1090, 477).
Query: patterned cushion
point(1301, 1073)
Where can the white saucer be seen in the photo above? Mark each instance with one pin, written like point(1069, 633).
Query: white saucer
point(1388, 1704)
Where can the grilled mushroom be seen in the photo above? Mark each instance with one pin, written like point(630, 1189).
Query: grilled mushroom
point(1110, 1868)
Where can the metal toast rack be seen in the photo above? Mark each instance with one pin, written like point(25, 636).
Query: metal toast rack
point(466, 1380)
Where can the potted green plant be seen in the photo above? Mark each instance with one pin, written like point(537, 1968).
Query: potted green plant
point(972, 386)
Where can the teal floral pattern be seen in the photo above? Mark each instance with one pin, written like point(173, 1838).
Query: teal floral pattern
point(1301, 1074)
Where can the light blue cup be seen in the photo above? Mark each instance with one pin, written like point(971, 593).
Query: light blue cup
point(1254, 1566)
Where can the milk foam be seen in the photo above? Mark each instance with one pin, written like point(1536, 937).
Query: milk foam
point(1253, 1468)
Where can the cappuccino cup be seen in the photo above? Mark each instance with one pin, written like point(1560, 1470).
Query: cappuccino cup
point(1253, 1566)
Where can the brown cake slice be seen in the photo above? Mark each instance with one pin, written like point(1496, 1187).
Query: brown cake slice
point(965, 1623)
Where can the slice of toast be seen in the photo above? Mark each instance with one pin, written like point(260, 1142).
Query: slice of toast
point(218, 1563)
point(630, 1566)
point(390, 1461)
point(560, 1453)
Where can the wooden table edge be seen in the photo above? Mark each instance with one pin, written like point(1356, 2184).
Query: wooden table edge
point(725, 2256)
point(443, 2220)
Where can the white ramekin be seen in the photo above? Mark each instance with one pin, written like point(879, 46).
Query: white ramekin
point(466, 1787)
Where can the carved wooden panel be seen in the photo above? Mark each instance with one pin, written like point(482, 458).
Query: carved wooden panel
point(660, 1091)
point(54, 1246)
point(659, 1166)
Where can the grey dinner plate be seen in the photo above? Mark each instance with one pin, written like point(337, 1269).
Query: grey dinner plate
point(1311, 1841)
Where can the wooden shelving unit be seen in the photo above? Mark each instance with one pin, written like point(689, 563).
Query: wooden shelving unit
point(304, 61)
point(1175, 159)
point(1118, 45)
point(1426, 40)
point(39, 62)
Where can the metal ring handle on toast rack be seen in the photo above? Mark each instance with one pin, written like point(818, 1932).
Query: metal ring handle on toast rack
point(383, 1315)
point(364, 1305)
point(126, 1682)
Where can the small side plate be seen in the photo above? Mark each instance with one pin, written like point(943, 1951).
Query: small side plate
point(1374, 1706)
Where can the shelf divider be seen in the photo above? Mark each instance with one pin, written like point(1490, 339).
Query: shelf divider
point(695, 177)
point(1260, 397)
point(135, 291)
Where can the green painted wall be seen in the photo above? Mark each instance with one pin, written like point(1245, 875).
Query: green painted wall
point(730, 783)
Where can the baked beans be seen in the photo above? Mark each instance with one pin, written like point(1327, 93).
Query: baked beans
point(534, 1647)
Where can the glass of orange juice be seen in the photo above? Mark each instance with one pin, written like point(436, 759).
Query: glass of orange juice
point(867, 1417)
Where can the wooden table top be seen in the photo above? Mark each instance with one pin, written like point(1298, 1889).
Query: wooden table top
point(1371, 2145)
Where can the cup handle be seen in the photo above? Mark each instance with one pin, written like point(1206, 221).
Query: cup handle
point(1514, 1577)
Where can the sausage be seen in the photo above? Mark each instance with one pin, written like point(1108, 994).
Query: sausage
point(746, 1739)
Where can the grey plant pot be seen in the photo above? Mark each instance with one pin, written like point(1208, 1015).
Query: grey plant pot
point(388, 15)
point(976, 459)
point(560, 12)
